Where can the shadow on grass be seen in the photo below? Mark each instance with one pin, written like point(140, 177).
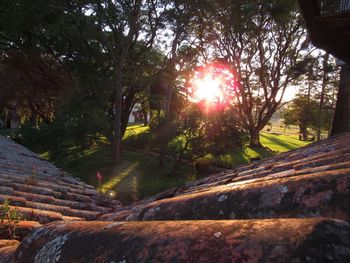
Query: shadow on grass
point(264, 152)
point(278, 141)
point(244, 156)
point(119, 174)
point(86, 166)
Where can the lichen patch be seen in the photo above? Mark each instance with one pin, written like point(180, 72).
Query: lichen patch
point(51, 252)
point(222, 198)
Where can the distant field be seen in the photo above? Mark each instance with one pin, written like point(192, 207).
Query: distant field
point(277, 127)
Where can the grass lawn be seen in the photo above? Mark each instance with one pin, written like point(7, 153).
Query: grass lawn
point(138, 175)
point(276, 143)
point(281, 143)
point(134, 130)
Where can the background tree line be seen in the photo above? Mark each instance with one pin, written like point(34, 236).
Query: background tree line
point(74, 70)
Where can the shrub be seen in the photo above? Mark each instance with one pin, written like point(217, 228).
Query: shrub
point(141, 141)
point(9, 218)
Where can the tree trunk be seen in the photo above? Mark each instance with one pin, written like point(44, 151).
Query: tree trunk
point(119, 66)
point(169, 96)
point(254, 138)
point(303, 132)
point(116, 141)
point(145, 117)
point(324, 83)
point(341, 120)
point(175, 166)
point(166, 121)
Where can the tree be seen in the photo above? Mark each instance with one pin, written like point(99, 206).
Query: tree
point(121, 24)
point(92, 39)
point(32, 84)
point(341, 121)
point(167, 87)
point(188, 141)
point(182, 19)
point(195, 133)
point(34, 81)
point(304, 112)
point(139, 74)
point(264, 46)
point(319, 82)
point(326, 79)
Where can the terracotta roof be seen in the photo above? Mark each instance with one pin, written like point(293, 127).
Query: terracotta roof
point(43, 193)
point(7, 249)
point(293, 207)
point(277, 240)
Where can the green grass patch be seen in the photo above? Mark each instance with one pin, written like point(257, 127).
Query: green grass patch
point(281, 143)
point(273, 144)
point(134, 130)
point(139, 175)
point(136, 177)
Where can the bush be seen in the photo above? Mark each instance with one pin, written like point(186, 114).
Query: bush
point(76, 128)
point(9, 217)
point(141, 141)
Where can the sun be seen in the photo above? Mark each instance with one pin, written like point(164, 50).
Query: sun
point(208, 89)
point(211, 84)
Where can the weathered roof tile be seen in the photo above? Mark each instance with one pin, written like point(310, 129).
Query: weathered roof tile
point(21, 229)
point(309, 183)
point(278, 240)
point(42, 192)
point(7, 252)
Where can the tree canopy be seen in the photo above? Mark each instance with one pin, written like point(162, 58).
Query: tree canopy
point(79, 67)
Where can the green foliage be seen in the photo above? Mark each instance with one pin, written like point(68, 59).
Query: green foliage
point(187, 135)
point(304, 112)
point(32, 84)
point(78, 127)
point(7, 133)
point(193, 134)
point(141, 141)
point(225, 132)
point(9, 217)
point(101, 49)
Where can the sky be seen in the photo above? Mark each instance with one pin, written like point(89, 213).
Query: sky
point(290, 93)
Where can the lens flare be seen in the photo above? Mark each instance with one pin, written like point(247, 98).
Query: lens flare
point(211, 84)
point(208, 89)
